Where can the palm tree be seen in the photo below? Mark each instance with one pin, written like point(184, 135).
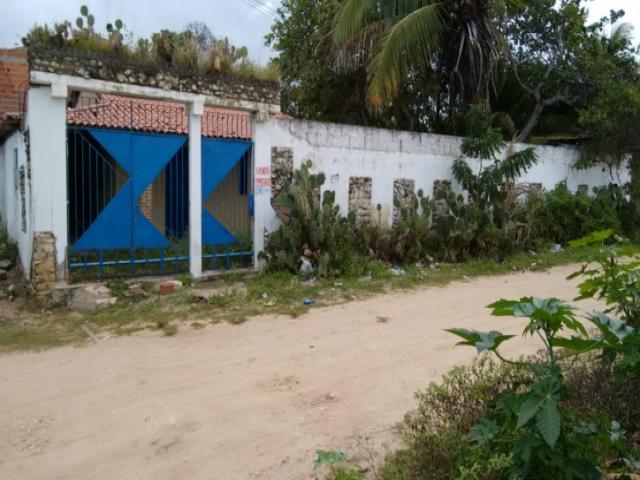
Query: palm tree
point(458, 38)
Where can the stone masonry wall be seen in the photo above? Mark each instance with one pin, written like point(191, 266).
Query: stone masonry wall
point(117, 69)
point(440, 207)
point(43, 263)
point(360, 198)
point(281, 170)
point(404, 197)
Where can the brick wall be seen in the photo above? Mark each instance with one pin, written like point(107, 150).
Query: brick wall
point(14, 74)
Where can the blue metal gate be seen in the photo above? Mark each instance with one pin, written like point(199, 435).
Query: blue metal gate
point(128, 202)
point(110, 175)
point(227, 162)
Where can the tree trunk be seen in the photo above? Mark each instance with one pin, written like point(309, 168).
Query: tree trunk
point(634, 170)
point(532, 123)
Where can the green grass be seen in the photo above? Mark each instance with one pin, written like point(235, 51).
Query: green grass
point(8, 250)
point(28, 328)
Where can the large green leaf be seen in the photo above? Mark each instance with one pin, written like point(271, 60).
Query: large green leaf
point(530, 408)
point(480, 340)
point(484, 431)
point(613, 329)
point(577, 344)
point(548, 421)
point(591, 239)
point(550, 314)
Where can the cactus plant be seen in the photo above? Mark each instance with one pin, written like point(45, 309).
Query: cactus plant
point(315, 224)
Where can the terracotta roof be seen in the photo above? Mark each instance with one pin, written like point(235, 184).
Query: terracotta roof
point(114, 111)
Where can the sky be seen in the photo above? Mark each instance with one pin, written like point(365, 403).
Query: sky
point(243, 21)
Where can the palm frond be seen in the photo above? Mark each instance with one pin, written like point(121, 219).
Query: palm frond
point(352, 17)
point(621, 35)
point(410, 42)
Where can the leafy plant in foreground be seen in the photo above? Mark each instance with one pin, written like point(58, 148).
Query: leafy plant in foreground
point(616, 281)
point(606, 277)
point(335, 460)
point(530, 425)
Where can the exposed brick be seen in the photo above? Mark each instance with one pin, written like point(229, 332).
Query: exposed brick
point(14, 75)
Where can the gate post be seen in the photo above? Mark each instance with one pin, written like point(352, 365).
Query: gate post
point(196, 109)
point(47, 178)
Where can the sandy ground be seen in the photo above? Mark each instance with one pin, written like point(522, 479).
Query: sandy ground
point(248, 401)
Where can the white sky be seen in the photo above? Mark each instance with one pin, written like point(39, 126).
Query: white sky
point(233, 18)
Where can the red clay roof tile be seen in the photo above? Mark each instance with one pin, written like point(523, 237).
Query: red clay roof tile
point(114, 111)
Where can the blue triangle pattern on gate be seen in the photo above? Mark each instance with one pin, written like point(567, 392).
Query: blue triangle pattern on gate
point(121, 224)
point(218, 159)
point(213, 232)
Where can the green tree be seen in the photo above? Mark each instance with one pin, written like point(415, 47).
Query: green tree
point(487, 186)
point(611, 112)
point(546, 38)
point(459, 40)
point(312, 87)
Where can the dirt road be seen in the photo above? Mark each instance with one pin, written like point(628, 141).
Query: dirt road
point(249, 401)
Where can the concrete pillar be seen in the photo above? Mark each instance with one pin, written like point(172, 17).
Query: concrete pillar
point(264, 218)
point(196, 110)
point(47, 127)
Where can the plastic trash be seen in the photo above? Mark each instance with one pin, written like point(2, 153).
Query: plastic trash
point(397, 272)
point(309, 301)
point(306, 269)
point(556, 248)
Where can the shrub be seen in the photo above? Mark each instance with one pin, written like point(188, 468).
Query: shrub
point(564, 216)
point(434, 434)
point(595, 390)
point(411, 237)
point(314, 226)
point(563, 415)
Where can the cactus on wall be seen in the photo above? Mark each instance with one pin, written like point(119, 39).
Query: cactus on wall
point(314, 227)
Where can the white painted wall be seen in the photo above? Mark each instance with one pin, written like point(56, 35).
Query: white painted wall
point(47, 126)
point(11, 200)
point(343, 151)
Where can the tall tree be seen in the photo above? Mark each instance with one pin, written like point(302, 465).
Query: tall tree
point(458, 39)
point(610, 115)
point(311, 85)
point(546, 39)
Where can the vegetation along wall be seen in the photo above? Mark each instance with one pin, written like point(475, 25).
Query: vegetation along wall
point(368, 167)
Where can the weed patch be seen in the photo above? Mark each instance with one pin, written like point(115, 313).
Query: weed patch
point(277, 293)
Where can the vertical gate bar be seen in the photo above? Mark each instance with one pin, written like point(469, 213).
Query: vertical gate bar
point(75, 183)
point(101, 265)
point(89, 179)
point(97, 178)
point(104, 185)
point(82, 181)
point(132, 260)
point(69, 183)
point(180, 191)
point(162, 261)
point(228, 258)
